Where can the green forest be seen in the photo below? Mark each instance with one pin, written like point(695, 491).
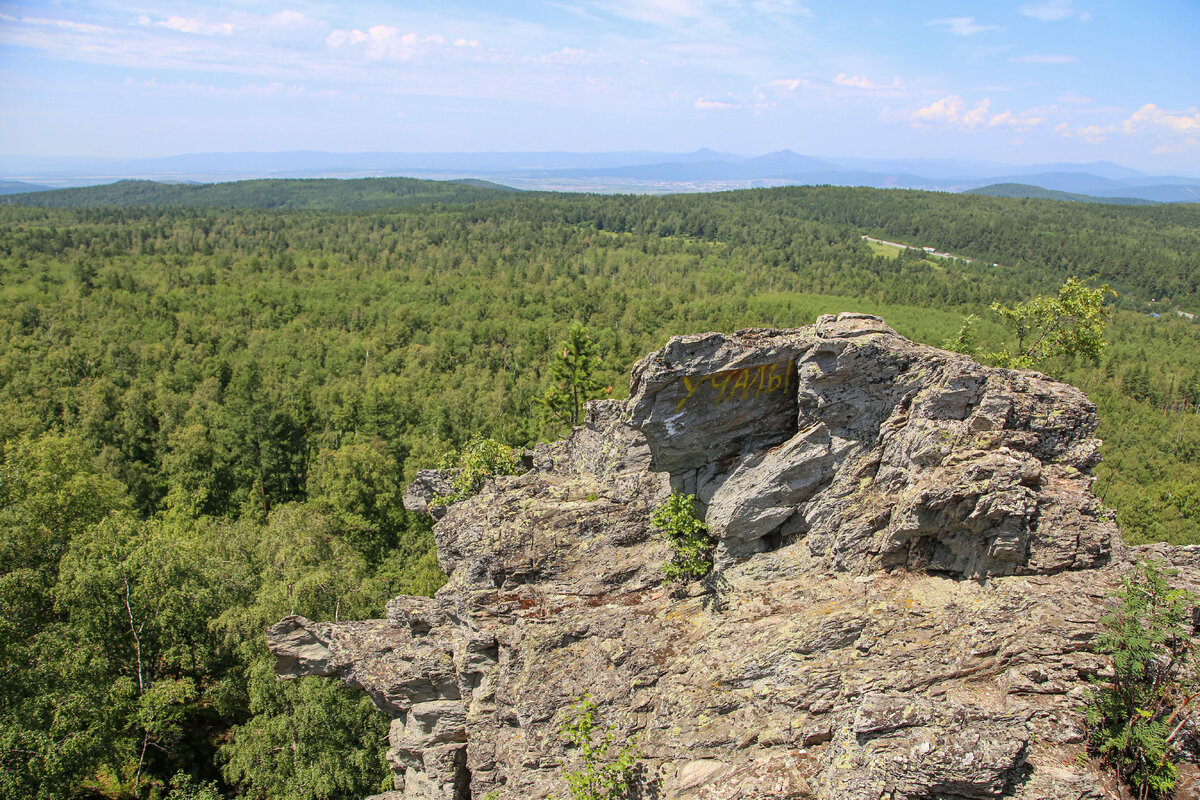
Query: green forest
point(211, 399)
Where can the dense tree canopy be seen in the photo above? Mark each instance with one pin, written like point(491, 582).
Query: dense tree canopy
point(208, 416)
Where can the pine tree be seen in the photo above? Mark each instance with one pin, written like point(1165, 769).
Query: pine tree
point(572, 376)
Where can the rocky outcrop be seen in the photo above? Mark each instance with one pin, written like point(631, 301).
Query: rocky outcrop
point(908, 578)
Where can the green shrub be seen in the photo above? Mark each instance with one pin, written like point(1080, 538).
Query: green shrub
point(479, 461)
point(608, 770)
point(689, 537)
point(1134, 719)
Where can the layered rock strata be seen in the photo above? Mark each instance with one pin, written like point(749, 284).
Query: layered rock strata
point(909, 574)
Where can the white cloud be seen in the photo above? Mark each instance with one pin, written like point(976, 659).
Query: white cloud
point(197, 25)
point(288, 19)
point(791, 84)
point(1049, 10)
point(951, 111)
point(862, 82)
point(568, 55)
point(961, 26)
point(1173, 131)
point(1177, 131)
point(1092, 134)
point(383, 42)
point(1038, 58)
point(1151, 118)
point(656, 12)
point(706, 104)
point(1020, 121)
point(64, 24)
point(781, 8)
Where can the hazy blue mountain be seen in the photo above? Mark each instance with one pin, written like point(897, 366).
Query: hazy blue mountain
point(637, 170)
point(16, 187)
point(1079, 182)
point(320, 194)
point(310, 163)
point(1038, 193)
point(1182, 191)
point(1103, 169)
point(786, 162)
point(482, 184)
point(1159, 180)
point(1169, 193)
point(939, 168)
point(783, 164)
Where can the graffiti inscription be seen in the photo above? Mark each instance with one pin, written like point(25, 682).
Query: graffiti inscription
point(741, 384)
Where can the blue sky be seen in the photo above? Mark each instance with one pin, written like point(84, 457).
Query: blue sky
point(1015, 82)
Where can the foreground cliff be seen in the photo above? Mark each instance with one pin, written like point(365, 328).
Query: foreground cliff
point(908, 580)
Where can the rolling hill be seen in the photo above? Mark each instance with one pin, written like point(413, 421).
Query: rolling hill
point(315, 194)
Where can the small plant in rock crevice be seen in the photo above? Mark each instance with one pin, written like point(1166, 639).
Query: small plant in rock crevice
point(688, 536)
point(608, 769)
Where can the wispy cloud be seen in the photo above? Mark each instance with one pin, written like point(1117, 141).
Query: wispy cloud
point(657, 12)
point(707, 105)
point(1052, 10)
point(961, 26)
point(198, 25)
point(566, 55)
point(862, 82)
point(1074, 99)
point(290, 19)
point(781, 8)
point(272, 89)
point(702, 48)
point(1044, 58)
point(791, 84)
point(383, 42)
point(62, 24)
point(1021, 120)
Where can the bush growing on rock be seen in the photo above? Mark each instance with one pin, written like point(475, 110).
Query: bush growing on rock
point(607, 771)
point(1136, 718)
point(479, 461)
point(689, 537)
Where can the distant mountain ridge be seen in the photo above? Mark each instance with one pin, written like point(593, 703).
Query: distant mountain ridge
point(319, 194)
point(16, 187)
point(636, 171)
point(1023, 190)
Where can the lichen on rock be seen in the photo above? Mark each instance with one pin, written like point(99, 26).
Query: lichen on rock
point(908, 577)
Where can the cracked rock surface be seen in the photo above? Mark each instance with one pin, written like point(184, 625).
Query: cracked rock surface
point(908, 579)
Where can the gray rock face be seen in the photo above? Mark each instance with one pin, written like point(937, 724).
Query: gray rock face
point(419, 496)
point(909, 576)
point(875, 451)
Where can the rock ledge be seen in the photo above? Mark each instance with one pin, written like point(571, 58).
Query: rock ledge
point(908, 580)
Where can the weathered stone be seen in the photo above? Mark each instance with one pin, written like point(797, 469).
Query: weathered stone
point(907, 747)
point(908, 583)
point(419, 496)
